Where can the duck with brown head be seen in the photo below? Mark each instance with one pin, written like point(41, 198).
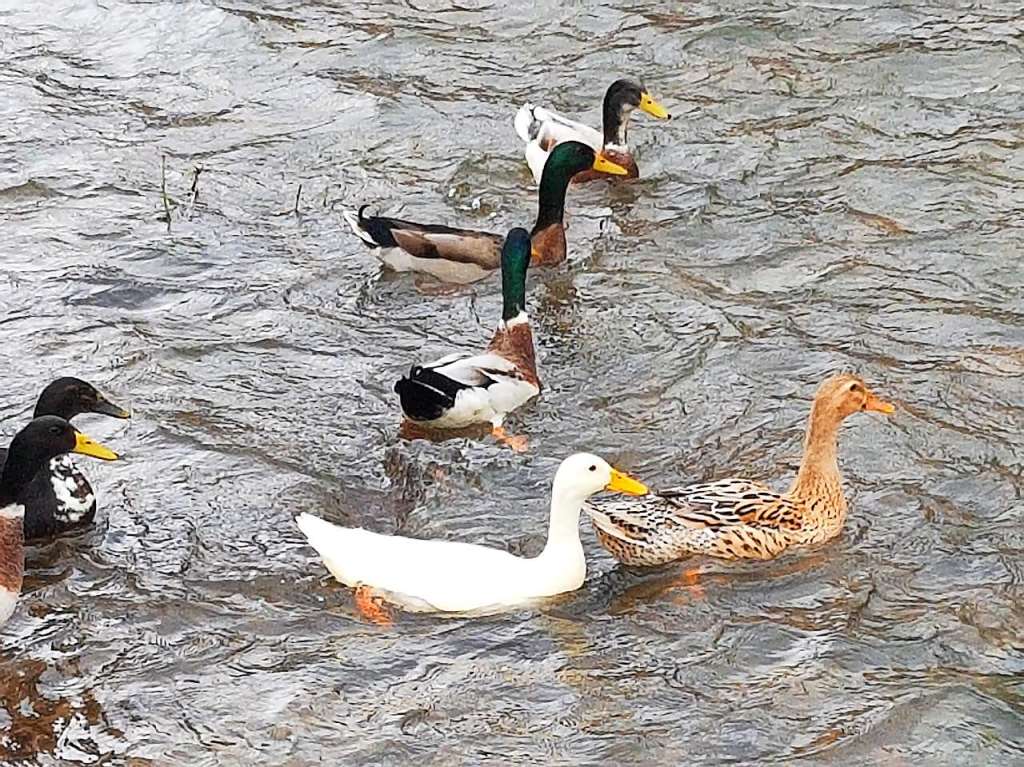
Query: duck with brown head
point(739, 518)
point(543, 129)
point(31, 450)
point(466, 255)
point(60, 498)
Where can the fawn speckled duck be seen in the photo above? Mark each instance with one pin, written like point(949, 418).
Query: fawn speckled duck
point(737, 518)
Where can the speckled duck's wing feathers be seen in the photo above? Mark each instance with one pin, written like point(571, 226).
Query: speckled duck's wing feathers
point(731, 518)
point(731, 501)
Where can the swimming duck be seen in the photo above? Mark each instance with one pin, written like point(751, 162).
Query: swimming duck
point(466, 255)
point(462, 389)
point(543, 129)
point(31, 450)
point(738, 518)
point(450, 576)
point(60, 498)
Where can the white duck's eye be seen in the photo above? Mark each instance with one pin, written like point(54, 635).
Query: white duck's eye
point(593, 468)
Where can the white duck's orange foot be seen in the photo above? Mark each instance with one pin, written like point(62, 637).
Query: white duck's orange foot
point(518, 443)
point(371, 606)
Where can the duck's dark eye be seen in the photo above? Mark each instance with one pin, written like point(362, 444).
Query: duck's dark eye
point(593, 468)
point(55, 429)
point(855, 386)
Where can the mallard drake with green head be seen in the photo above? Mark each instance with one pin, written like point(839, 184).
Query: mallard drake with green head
point(544, 129)
point(462, 389)
point(467, 255)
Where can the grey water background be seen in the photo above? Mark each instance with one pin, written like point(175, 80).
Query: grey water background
point(840, 188)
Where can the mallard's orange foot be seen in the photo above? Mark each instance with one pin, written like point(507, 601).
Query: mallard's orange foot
point(371, 606)
point(518, 443)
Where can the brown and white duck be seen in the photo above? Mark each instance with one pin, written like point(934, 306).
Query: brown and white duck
point(462, 389)
point(544, 129)
point(738, 518)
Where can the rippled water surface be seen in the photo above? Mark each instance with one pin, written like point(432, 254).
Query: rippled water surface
point(840, 188)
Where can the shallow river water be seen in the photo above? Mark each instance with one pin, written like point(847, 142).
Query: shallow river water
point(841, 187)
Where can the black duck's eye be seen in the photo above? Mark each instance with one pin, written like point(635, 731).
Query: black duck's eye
point(55, 429)
point(593, 468)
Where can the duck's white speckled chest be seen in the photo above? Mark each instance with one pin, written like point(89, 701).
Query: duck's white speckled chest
point(72, 491)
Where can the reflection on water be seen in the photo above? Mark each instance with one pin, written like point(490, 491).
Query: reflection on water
point(840, 188)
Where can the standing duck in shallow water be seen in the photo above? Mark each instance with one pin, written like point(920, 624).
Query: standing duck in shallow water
point(460, 389)
point(466, 255)
point(31, 450)
point(738, 518)
point(543, 129)
point(449, 576)
point(60, 498)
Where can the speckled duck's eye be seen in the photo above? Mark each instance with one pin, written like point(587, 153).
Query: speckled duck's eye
point(854, 387)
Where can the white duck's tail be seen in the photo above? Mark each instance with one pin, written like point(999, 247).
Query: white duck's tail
point(356, 220)
point(527, 124)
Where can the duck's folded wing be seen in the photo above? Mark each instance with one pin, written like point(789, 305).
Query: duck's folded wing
point(731, 502)
point(431, 241)
point(713, 505)
point(476, 369)
point(548, 128)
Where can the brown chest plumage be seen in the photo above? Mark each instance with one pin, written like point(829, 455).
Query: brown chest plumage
point(516, 345)
point(625, 159)
point(12, 555)
point(549, 245)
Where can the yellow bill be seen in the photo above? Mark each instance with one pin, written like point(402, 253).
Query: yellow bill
point(605, 165)
point(623, 483)
point(652, 107)
point(879, 405)
point(87, 446)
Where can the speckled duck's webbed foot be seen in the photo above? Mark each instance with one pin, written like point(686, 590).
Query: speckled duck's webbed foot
point(518, 443)
point(689, 579)
point(371, 606)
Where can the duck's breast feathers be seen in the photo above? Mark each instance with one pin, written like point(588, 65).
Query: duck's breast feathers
point(75, 501)
point(11, 554)
point(513, 342)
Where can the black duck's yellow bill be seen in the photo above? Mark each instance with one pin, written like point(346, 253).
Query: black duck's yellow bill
point(87, 446)
point(879, 405)
point(605, 165)
point(652, 107)
point(623, 483)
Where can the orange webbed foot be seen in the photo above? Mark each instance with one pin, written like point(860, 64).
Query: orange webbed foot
point(518, 443)
point(371, 606)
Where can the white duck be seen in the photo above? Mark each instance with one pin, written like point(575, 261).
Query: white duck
point(449, 576)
